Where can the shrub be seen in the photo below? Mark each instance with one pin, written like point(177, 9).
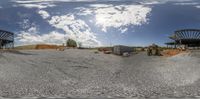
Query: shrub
point(71, 43)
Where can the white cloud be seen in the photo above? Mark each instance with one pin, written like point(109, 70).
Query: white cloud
point(187, 3)
point(31, 35)
point(34, 3)
point(101, 5)
point(123, 30)
point(33, 6)
point(106, 16)
point(44, 14)
point(198, 6)
point(39, 1)
point(50, 38)
point(32, 30)
point(117, 15)
point(150, 2)
point(41, 4)
point(84, 11)
point(76, 29)
point(27, 25)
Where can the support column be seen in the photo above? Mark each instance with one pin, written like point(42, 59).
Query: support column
point(0, 44)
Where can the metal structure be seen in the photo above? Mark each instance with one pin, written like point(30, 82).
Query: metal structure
point(6, 40)
point(186, 37)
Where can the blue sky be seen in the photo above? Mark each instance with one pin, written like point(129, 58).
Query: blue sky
point(97, 22)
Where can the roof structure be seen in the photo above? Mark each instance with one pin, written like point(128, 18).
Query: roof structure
point(6, 39)
point(189, 37)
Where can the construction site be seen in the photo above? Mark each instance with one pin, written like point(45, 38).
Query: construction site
point(112, 72)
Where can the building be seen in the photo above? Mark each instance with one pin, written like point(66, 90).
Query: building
point(6, 40)
point(187, 38)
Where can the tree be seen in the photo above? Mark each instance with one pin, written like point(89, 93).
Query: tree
point(71, 43)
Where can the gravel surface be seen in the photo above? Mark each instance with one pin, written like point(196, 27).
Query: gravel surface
point(82, 73)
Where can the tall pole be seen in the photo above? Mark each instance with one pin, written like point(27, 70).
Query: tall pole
point(0, 43)
point(13, 41)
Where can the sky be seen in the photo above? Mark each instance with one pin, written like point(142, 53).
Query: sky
point(95, 23)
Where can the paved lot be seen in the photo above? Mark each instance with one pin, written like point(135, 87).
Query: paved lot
point(81, 73)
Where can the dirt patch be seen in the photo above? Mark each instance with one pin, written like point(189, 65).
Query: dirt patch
point(45, 46)
point(172, 52)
